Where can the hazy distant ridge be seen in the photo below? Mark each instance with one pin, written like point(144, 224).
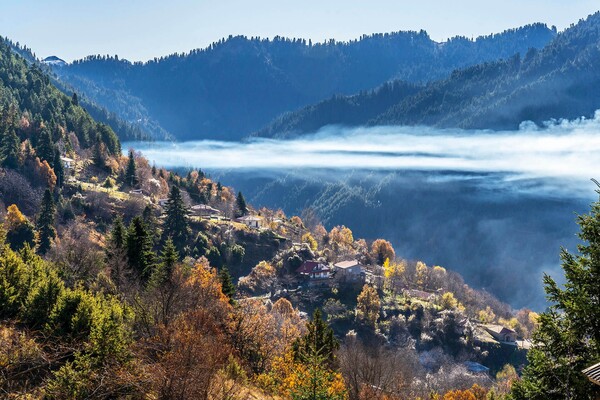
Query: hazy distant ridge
point(239, 84)
point(562, 80)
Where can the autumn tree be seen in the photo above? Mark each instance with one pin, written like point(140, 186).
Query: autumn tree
point(567, 339)
point(448, 301)
point(192, 336)
point(421, 275)
point(394, 273)
point(475, 392)
point(19, 231)
point(260, 279)
point(382, 250)
point(45, 222)
point(368, 305)
point(312, 243)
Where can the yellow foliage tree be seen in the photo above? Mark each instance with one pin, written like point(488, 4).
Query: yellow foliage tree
point(307, 238)
point(448, 301)
point(486, 316)
point(421, 274)
point(394, 274)
point(291, 379)
point(341, 236)
point(368, 305)
point(14, 217)
point(476, 392)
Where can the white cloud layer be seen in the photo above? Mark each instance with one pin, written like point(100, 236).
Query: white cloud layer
point(562, 149)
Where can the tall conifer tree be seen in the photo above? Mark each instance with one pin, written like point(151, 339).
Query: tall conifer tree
point(10, 149)
point(139, 248)
point(176, 225)
point(242, 208)
point(45, 222)
point(59, 170)
point(568, 337)
point(131, 171)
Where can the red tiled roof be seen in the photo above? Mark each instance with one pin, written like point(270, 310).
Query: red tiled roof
point(309, 266)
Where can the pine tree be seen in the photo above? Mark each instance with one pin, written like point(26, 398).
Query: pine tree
point(75, 99)
point(58, 168)
point(45, 146)
point(568, 337)
point(316, 378)
point(131, 171)
point(176, 225)
point(227, 286)
point(118, 235)
point(10, 149)
point(242, 208)
point(169, 258)
point(139, 248)
point(45, 222)
point(98, 153)
point(318, 342)
point(150, 219)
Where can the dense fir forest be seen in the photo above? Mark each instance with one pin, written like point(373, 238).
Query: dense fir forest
point(560, 80)
point(239, 84)
point(120, 279)
point(127, 130)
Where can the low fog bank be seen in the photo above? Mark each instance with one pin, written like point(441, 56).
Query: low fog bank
point(494, 206)
point(563, 149)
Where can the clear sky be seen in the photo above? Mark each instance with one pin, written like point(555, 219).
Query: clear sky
point(143, 29)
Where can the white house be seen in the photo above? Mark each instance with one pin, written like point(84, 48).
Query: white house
point(251, 221)
point(67, 162)
point(162, 202)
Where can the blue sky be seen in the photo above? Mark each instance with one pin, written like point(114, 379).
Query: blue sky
point(143, 29)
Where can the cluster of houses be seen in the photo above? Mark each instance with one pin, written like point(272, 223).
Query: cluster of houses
point(206, 211)
point(318, 272)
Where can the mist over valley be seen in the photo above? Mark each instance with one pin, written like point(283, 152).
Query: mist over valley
point(494, 206)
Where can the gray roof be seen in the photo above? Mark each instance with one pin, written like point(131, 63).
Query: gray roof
point(347, 264)
point(250, 218)
point(498, 329)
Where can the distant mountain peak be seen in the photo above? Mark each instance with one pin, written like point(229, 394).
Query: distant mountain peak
point(54, 61)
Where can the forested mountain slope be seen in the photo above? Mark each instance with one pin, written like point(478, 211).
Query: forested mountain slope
point(237, 85)
point(561, 80)
point(127, 130)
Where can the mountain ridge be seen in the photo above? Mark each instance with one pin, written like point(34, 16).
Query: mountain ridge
point(557, 81)
point(237, 85)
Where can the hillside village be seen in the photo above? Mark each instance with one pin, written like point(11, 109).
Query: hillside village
point(122, 279)
point(315, 263)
